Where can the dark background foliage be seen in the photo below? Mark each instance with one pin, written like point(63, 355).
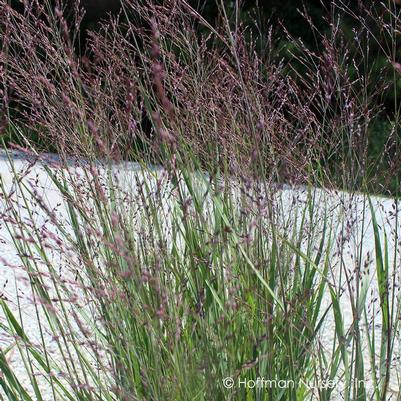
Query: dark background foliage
point(293, 16)
point(288, 17)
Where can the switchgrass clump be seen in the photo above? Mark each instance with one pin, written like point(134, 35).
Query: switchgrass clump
point(178, 248)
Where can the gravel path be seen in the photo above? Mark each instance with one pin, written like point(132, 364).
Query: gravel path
point(343, 208)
